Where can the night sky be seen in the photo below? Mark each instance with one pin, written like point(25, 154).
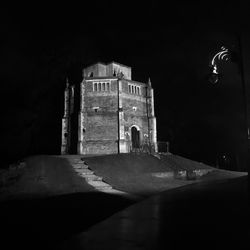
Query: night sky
point(172, 44)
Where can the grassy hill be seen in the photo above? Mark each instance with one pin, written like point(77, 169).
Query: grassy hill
point(143, 174)
point(62, 203)
point(41, 176)
point(138, 174)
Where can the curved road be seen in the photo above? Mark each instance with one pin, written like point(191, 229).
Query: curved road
point(198, 216)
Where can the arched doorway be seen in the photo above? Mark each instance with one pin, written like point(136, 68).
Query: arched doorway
point(135, 137)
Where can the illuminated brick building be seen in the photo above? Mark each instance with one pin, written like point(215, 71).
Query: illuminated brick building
point(113, 114)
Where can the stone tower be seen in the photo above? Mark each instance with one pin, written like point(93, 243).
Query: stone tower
point(66, 120)
point(115, 115)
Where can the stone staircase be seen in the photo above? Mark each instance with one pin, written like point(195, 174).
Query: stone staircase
point(83, 170)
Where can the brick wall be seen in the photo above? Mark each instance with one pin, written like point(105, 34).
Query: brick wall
point(99, 115)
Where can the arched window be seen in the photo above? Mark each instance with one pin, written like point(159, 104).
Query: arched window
point(99, 86)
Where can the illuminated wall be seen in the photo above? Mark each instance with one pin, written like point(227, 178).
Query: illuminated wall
point(110, 106)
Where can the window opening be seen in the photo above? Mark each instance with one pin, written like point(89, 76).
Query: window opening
point(95, 86)
point(103, 86)
point(99, 87)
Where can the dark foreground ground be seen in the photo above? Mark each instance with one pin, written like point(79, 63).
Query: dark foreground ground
point(50, 207)
point(44, 223)
point(197, 216)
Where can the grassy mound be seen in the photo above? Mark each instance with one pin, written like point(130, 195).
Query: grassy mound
point(178, 163)
point(137, 174)
point(42, 176)
point(127, 164)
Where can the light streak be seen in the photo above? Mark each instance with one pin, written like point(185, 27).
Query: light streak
point(221, 55)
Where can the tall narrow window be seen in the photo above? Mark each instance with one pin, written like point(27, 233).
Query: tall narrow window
point(108, 86)
point(129, 88)
point(132, 89)
point(99, 86)
point(103, 86)
point(95, 86)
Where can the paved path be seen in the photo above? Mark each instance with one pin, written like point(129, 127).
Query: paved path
point(198, 216)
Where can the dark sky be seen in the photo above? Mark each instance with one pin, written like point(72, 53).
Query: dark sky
point(170, 43)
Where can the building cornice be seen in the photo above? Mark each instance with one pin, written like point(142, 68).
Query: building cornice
point(97, 78)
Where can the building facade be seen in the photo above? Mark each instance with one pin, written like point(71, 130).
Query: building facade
point(114, 114)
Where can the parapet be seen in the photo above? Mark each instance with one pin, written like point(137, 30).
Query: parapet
point(107, 70)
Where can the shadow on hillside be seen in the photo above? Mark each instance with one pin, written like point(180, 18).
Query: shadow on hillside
point(40, 223)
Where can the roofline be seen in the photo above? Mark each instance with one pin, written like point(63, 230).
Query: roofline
point(135, 81)
point(95, 64)
point(106, 64)
point(119, 64)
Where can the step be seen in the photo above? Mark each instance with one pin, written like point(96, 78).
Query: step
point(84, 175)
point(77, 162)
point(99, 184)
point(80, 166)
point(104, 189)
point(80, 163)
point(93, 178)
point(84, 171)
